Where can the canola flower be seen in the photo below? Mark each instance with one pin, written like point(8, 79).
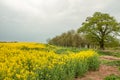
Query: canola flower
point(33, 61)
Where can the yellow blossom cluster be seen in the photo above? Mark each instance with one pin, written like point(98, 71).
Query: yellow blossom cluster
point(33, 61)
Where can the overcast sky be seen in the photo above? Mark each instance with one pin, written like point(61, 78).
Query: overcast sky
point(38, 20)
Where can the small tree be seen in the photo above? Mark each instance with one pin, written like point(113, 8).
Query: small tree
point(99, 28)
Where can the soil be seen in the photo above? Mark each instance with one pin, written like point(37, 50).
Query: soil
point(103, 71)
point(109, 58)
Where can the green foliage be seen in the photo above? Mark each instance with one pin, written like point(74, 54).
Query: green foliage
point(100, 28)
point(104, 62)
point(94, 63)
point(35, 48)
point(112, 77)
point(64, 50)
point(113, 63)
point(112, 42)
point(73, 68)
point(61, 51)
point(81, 67)
point(68, 39)
point(116, 54)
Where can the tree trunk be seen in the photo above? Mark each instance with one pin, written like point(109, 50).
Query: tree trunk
point(102, 45)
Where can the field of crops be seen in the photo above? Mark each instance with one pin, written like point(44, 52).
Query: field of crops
point(35, 61)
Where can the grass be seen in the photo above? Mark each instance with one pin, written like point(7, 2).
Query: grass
point(61, 50)
point(114, 63)
point(112, 77)
point(111, 63)
point(109, 53)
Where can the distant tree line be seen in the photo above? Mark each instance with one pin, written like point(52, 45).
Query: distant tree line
point(67, 39)
point(71, 39)
point(8, 41)
point(99, 30)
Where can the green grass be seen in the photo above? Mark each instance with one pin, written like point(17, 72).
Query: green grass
point(116, 54)
point(112, 77)
point(61, 50)
point(104, 62)
point(114, 63)
point(111, 63)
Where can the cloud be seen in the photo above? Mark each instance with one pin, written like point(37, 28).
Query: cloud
point(38, 20)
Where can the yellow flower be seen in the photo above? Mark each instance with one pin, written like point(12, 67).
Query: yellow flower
point(18, 76)
point(27, 58)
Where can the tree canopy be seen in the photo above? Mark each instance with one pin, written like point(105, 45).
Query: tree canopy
point(67, 39)
point(100, 29)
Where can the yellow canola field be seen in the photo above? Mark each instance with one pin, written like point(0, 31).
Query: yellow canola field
point(33, 61)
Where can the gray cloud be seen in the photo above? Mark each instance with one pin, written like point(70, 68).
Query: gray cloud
point(38, 20)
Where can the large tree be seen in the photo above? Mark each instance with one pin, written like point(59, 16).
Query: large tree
point(100, 28)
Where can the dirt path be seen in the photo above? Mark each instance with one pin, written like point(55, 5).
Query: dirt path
point(103, 71)
point(109, 58)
